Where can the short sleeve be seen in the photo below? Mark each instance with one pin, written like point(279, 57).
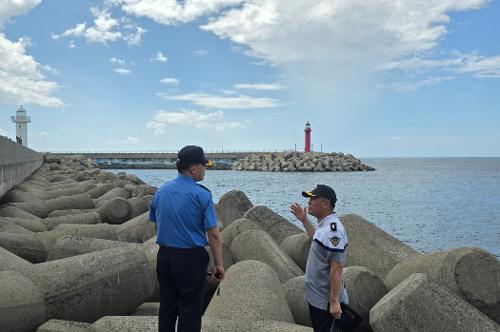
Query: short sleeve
point(333, 239)
point(209, 218)
point(152, 210)
point(336, 257)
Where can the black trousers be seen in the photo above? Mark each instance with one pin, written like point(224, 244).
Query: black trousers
point(182, 275)
point(321, 319)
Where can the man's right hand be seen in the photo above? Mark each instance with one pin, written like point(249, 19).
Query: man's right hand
point(218, 273)
point(299, 212)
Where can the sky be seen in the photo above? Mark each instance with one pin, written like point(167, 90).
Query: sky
point(381, 78)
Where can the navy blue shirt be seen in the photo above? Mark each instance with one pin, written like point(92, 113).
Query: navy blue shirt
point(183, 211)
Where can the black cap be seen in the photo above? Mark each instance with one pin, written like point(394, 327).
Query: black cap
point(324, 191)
point(192, 154)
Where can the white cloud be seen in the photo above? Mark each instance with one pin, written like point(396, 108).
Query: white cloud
point(201, 52)
point(171, 12)
point(413, 86)
point(169, 81)
point(44, 134)
point(122, 71)
point(71, 44)
point(22, 76)
point(106, 29)
point(3, 132)
point(353, 32)
point(130, 140)
point(117, 61)
point(224, 102)
point(159, 57)
point(480, 66)
point(458, 65)
point(11, 8)
point(205, 121)
point(396, 138)
point(258, 86)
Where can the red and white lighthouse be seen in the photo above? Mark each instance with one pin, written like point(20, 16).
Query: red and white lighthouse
point(307, 131)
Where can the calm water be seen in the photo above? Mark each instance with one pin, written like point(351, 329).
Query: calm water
point(428, 203)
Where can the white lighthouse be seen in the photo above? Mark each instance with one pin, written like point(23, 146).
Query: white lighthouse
point(21, 121)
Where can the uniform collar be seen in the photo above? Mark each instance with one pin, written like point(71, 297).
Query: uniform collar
point(322, 221)
point(182, 177)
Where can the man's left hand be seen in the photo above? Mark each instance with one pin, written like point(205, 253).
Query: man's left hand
point(335, 310)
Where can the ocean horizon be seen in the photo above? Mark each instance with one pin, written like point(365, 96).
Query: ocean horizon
point(429, 203)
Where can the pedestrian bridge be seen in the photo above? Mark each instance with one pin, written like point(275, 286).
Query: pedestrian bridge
point(123, 160)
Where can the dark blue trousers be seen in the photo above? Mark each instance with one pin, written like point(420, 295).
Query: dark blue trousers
point(182, 275)
point(321, 319)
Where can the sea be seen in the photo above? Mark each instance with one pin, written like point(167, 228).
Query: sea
point(428, 203)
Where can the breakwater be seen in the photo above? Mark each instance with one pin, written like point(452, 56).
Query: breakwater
point(16, 163)
point(240, 161)
point(78, 253)
point(301, 162)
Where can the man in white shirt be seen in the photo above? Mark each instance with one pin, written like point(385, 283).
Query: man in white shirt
point(324, 288)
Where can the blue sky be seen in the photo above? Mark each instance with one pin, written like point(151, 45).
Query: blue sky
point(376, 79)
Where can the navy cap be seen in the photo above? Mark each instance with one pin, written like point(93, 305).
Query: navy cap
point(192, 154)
point(323, 191)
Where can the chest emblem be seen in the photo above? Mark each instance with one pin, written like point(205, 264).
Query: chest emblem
point(335, 241)
point(333, 226)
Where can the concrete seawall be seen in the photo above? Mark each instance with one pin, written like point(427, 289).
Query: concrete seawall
point(16, 163)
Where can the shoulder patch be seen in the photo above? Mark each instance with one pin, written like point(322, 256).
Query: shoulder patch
point(335, 241)
point(204, 187)
point(333, 226)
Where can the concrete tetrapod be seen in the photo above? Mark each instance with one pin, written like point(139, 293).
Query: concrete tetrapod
point(12, 262)
point(59, 325)
point(232, 206)
point(98, 231)
point(209, 324)
point(227, 258)
point(250, 291)
point(114, 211)
point(138, 229)
point(29, 224)
point(86, 287)
point(11, 211)
point(61, 213)
point(371, 247)
point(10, 227)
point(147, 309)
point(79, 218)
point(81, 201)
point(364, 289)
point(69, 246)
point(260, 246)
point(295, 295)
point(297, 247)
point(212, 324)
point(24, 246)
point(22, 306)
point(420, 304)
point(471, 273)
point(275, 225)
point(236, 228)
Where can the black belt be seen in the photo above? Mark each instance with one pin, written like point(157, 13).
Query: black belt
point(176, 249)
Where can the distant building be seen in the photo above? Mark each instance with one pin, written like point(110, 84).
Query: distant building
point(21, 120)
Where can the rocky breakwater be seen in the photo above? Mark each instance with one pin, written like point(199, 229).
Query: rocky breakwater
point(100, 275)
point(301, 162)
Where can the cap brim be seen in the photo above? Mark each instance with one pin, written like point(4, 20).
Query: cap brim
point(308, 194)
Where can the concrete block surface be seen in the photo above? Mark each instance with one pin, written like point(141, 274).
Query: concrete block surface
point(420, 304)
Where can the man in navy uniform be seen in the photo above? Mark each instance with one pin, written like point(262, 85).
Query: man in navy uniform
point(324, 288)
point(184, 214)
